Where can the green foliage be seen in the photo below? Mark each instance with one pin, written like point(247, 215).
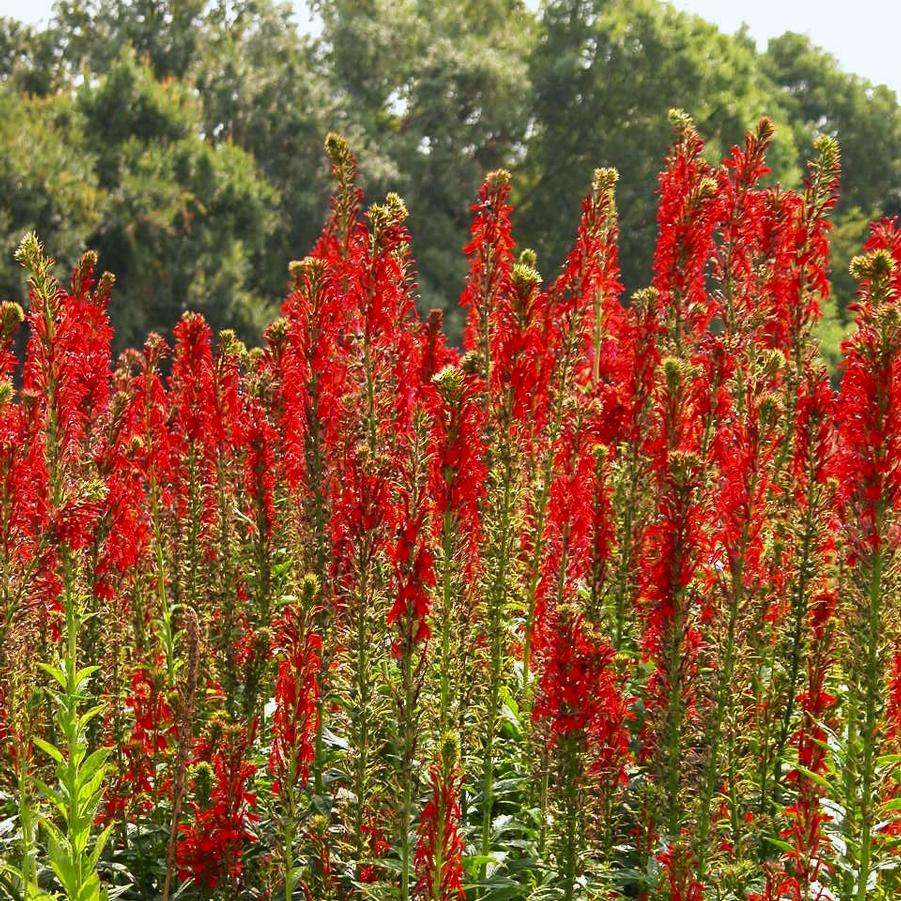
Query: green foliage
point(605, 74)
point(182, 138)
point(433, 96)
point(866, 118)
point(72, 848)
point(47, 183)
point(261, 89)
point(183, 219)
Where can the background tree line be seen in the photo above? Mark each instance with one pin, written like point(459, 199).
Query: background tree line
point(183, 138)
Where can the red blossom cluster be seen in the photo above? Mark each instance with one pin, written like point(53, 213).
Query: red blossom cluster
point(211, 847)
point(601, 604)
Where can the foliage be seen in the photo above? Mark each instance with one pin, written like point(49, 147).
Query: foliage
point(432, 95)
point(605, 605)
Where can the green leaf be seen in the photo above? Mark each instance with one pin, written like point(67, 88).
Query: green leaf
point(54, 796)
point(86, 718)
point(83, 674)
point(814, 777)
point(55, 673)
point(90, 789)
point(779, 843)
point(49, 750)
point(100, 844)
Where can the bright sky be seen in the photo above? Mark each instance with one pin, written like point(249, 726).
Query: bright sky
point(864, 35)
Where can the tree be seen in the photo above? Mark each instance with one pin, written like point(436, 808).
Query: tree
point(166, 34)
point(434, 94)
point(47, 180)
point(184, 137)
point(605, 72)
point(866, 119)
point(182, 218)
point(261, 88)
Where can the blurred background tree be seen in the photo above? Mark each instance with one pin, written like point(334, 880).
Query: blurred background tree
point(182, 138)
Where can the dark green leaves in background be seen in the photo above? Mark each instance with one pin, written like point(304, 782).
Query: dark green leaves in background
point(182, 138)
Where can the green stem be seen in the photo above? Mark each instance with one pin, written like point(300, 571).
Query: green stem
point(288, 837)
point(447, 623)
point(723, 693)
point(799, 611)
point(361, 716)
point(496, 601)
point(872, 703)
point(408, 722)
point(571, 814)
point(674, 716)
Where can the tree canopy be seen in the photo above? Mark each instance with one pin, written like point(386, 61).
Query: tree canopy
point(182, 138)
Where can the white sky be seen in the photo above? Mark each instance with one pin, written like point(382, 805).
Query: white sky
point(864, 35)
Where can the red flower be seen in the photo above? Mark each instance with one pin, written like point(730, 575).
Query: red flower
point(687, 215)
point(490, 255)
point(378, 847)
point(795, 243)
point(414, 576)
point(297, 649)
point(260, 470)
point(577, 690)
point(153, 728)
point(458, 470)
point(868, 461)
point(211, 847)
point(678, 866)
point(438, 860)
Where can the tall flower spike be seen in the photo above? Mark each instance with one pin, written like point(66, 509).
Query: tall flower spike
point(440, 846)
point(673, 552)
point(686, 217)
point(799, 250)
point(746, 220)
point(868, 471)
point(491, 261)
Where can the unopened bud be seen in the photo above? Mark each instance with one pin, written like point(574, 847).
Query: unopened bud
point(450, 750)
point(276, 333)
point(773, 363)
point(525, 277)
point(230, 344)
point(828, 152)
point(497, 179)
point(765, 129)
point(604, 180)
point(11, 317)
point(309, 588)
point(470, 362)
point(769, 408)
point(672, 372)
point(338, 149)
point(202, 779)
point(449, 382)
point(30, 252)
point(682, 123)
point(872, 266)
